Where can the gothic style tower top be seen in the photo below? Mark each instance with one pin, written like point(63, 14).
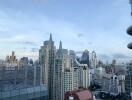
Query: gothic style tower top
point(60, 46)
point(50, 39)
point(60, 51)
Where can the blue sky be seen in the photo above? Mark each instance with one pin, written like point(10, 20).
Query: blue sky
point(98, 25)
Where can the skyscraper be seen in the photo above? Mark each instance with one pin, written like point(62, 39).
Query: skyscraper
point(83, 75)
point(60, 64)
point(93, 60)
point(114, 66)
point(46, 58)
point(74, 69)
point(11, 60)
point(68, 80)
point(66, 72)
point(85, 57)
point(71, 73)
point(84, 80)
point(61, 72)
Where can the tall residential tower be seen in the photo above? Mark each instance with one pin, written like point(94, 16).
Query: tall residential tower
point(46, 58)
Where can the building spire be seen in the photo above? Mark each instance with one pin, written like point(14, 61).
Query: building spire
point(60, 46)
point(60, 53)
point(50, 39)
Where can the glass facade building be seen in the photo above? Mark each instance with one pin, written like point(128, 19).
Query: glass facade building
point(34, 93)
point(128, 80)
point(22, 83)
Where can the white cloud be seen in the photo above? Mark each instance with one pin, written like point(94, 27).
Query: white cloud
point(104, 33)
point(22, 27)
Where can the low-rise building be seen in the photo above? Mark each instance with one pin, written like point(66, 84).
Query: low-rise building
point(80, 94)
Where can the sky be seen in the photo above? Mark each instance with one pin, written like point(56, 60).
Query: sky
point(98, 25)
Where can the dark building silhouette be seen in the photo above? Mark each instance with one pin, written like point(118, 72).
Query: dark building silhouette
point(85, 58)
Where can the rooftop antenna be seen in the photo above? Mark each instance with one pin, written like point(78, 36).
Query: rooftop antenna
point(129, 30)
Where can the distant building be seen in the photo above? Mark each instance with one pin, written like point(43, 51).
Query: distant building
point(99, 72)
point(85, 58)
point(114, 66)
point(128, 79)
point(23, 61)
point(84, 75)
point(12, 61)
point(114, 84)
point(74, 69)
point(66, 72)
point(93, 60)
point(121, 87)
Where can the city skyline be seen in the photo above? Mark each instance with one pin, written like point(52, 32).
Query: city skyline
point(24, 26)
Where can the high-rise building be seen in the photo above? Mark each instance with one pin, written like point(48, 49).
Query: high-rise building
point(93, 59)
point(23, 61)
point(85, 57)
point(128, 79)
point(60, 63)
point(46, 58)
point(12, 61)
point(66, 72)
point(74, 69)
point(68, 80)
point(75, 72)
point(113, 66)
point(61, 71)
point(71, 79)
point(84, 76)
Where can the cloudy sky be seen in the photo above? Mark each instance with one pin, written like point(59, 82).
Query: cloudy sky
point(98, 25)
